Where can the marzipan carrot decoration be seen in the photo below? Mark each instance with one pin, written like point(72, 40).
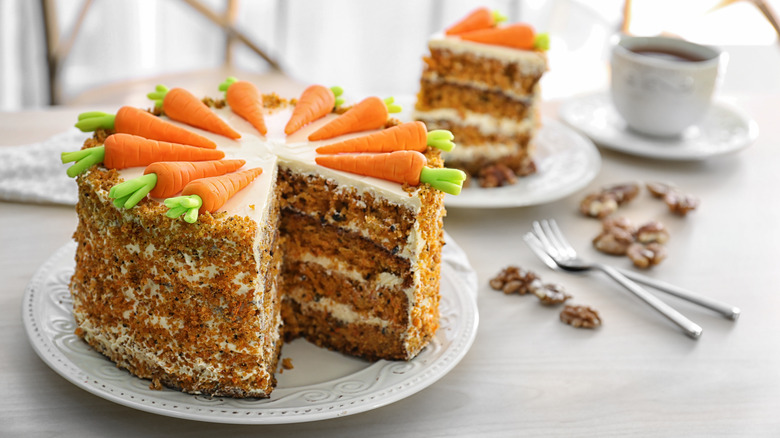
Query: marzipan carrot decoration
point(182, 106)
point(245, 100)
point(131, 120)
point(481, 18)
point(369, 113)
point(315, 103)
point(121, 151)
point(411, 136)
point(163, 179)
point(405, 167)
point(518, 36)
point(209, 194)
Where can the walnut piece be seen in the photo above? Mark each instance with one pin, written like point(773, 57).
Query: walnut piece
point(681, 203)
point(599, 205)
point(496, 175)
point(614, 242)
point(623, 193)
point(580, 316)
point(652, 231)
point(620, 222)
point(513, 279)
point(548, 293)
point(660, 189)
point(644, 256)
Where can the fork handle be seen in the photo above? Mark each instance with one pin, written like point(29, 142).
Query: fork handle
point(689, 327)
point(724, 309)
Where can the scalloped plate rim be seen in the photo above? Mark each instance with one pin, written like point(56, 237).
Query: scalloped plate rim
point(519, 195)
point(430, 370)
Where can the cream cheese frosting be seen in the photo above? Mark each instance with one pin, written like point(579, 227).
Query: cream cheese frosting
point(278, 149)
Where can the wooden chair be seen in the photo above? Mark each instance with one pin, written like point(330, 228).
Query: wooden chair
point(58, 46)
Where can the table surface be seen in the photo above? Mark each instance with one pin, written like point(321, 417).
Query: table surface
point(527, 373)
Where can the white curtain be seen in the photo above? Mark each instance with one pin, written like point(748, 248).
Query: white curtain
point(23, 76)
point(365, 46)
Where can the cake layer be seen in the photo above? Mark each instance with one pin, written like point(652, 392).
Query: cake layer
point(184, 305)
point(438, 94)
point(347, 269)
point(515, 152)
point(366, 340)
point(368, 213)
point(510, 71)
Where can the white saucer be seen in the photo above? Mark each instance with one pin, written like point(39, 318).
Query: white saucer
point(565, 162)
point(724, 130)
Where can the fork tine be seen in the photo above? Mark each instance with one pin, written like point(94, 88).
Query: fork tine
point(548, 246)
point(560, 249)
point(566, 247)
point(536, 246)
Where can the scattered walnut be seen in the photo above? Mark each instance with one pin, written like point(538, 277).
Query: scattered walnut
point(496, 175)
point(599, 205)
point(287, 363)
point(645, 256)
point(623, 192)
point(681, 203)
point(620, 222)
point(580, 316)
point(659, 189)
point(615, 241)
point(652, 231)
point(548, 293)
point(513, 279)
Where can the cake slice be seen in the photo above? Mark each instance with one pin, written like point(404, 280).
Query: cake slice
point(486, 92)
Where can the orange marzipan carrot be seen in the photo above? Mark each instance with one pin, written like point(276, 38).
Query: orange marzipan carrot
point(181, 105)
point(172, 176)
point(518, 36)
point(131, 120)
point(245, 100)
point(126, 150)
point(216, 190)
point(399, 166)
point(411, 136)
point(315, 102)
point(481, 18)
point(369, 113)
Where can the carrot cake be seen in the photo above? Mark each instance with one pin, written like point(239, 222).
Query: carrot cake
point(481, 82)
point(191, 270)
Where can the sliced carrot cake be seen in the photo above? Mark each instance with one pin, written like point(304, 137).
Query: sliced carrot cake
point(210, 232)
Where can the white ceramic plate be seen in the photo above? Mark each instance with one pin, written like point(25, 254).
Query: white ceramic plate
point(322, 385)
point(565, 161)
point(724, 130)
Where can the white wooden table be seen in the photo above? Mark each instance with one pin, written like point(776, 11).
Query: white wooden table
point(527, 373)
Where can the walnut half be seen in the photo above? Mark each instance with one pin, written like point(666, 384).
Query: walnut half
point(580, 316)
point(599, 205)
point(549, 293)
point(644, 256)
point(513, 279)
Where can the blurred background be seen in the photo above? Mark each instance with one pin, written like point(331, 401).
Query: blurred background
point(61, 52)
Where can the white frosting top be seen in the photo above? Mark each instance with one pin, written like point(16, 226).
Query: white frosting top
point(276, 148)
point(503, 53)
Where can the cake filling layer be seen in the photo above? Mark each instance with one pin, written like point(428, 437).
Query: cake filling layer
point(437, 95)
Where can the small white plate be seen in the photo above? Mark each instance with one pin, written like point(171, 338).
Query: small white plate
point(565, 162)
point(323, 384)
point(724, 130)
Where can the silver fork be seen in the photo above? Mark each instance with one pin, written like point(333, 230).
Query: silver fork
point(727, 310)
point(558, 248)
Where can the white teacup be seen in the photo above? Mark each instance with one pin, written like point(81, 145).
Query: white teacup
point(660, 85)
